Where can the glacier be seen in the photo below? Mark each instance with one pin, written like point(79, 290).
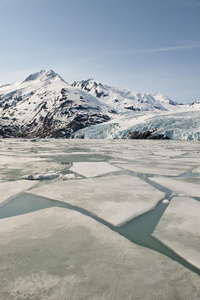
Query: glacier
point(182, 125)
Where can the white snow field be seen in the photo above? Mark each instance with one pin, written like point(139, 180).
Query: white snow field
point(179, 228)
point(99, 223)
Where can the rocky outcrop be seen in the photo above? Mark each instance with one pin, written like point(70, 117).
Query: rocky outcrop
point(150, 135)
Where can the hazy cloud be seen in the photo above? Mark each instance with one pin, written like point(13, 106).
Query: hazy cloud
point(174, 48)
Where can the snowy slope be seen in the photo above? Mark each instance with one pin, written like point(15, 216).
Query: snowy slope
point(165, 101)
point(44, 104)
point(122, 100)
point(194, 105)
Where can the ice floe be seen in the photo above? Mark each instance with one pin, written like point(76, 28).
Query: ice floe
point(115, 199)
point(69, 176)
point(165, 201)
point(188, 186)
point(92, 169)
point(11, 188)
point(57, 253)
point(196, 170)
point(167, 168)
point(179, 228)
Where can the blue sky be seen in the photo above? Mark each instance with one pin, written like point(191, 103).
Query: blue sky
point(142, 45)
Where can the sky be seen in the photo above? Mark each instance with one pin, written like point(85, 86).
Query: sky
point(142, 45)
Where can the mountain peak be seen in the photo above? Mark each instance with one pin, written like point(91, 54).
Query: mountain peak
point(51, 73)
point(35, 76)
point(86, 85)
point(43, 76)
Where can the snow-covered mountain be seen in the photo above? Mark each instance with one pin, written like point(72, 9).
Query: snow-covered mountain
point(141, 115)
point(45, 105)
point(122, 100)
point(195, 104)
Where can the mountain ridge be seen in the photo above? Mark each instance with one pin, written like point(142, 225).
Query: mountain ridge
point(122, 99)
point(45, 105)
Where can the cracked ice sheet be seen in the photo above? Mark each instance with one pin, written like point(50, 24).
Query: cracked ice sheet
point(115, 199)
point(12, 188)
point(196, 170)
point(92, 169)
point(168, 152)
point(187, 161)
point(17, 161)
point(188, 186)
point(43, 166)
point(179, 228)
point(157, 167)
point(61, 254)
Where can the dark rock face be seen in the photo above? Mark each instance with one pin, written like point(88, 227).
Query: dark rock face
point(9, 131)
point(51, 127)
point(151, 135)
point(99, 94)
point(131, 108)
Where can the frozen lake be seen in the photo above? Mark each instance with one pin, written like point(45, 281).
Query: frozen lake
point(99, 219)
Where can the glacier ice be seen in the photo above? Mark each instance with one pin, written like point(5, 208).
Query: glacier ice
point(184, 125)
